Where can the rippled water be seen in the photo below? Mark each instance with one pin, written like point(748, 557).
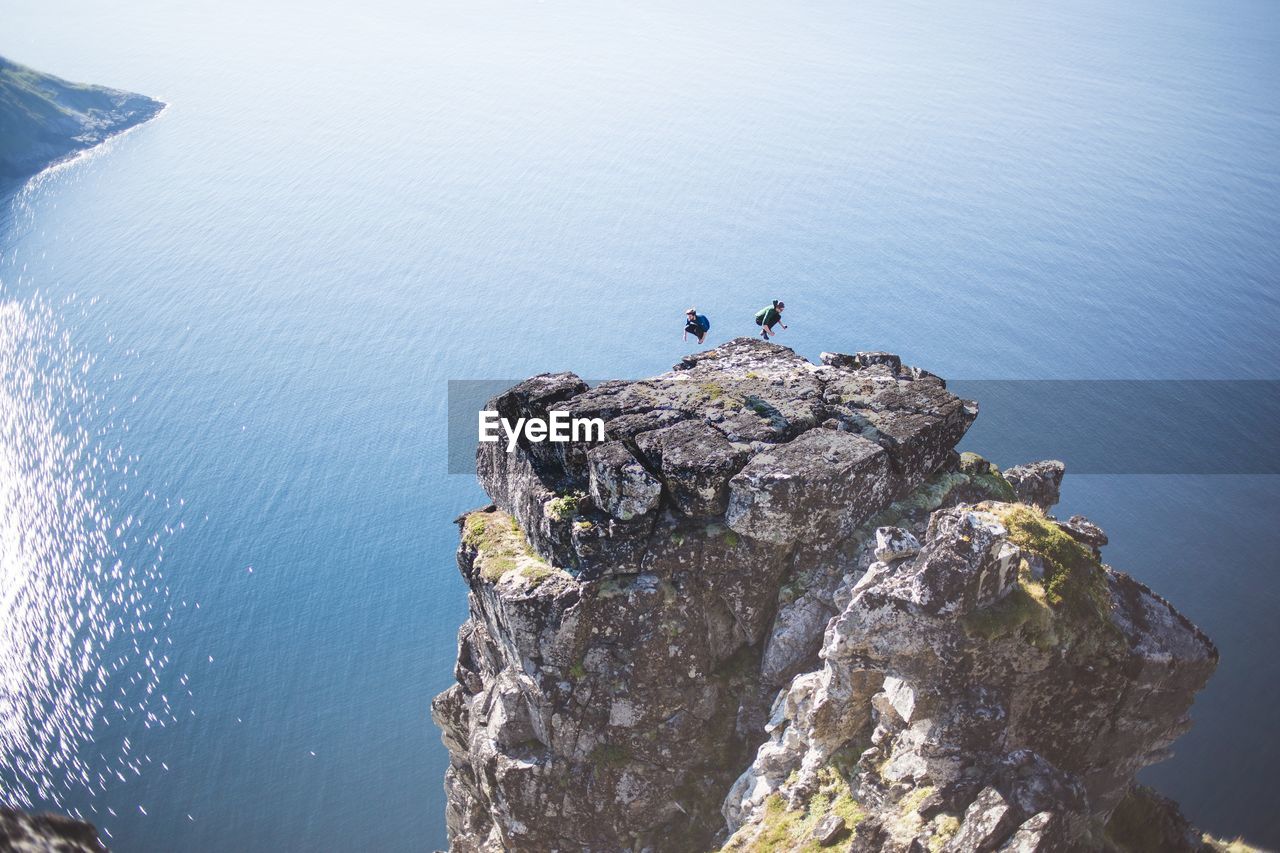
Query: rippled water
point(84, 638)
point(241, 319)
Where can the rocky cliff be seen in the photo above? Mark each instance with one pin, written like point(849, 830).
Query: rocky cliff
point(46, 833)
point(776, 609)
point(44, 119)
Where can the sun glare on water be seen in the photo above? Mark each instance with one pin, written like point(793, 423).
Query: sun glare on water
point(83, 608)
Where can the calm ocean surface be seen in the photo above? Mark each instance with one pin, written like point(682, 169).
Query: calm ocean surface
point(225, 541)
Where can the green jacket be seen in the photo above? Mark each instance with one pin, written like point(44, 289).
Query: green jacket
point(767, 316)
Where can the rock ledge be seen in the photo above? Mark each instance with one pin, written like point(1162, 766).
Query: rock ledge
point(776, 609)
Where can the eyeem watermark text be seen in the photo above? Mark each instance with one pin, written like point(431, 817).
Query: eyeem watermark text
point(1106, 426)
point(557, 426)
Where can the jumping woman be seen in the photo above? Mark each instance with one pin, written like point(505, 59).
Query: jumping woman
point(767, 318)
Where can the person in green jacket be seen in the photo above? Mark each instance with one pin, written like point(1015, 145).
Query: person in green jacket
point(767, 318)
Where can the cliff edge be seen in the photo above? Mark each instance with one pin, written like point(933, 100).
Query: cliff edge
point(21, 832)
point(45, 119)
point(775, 609)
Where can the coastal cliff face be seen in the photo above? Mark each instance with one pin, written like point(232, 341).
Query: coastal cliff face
point(45, 119)
point(775, 610)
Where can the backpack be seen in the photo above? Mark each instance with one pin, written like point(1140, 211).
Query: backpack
point(704, 323)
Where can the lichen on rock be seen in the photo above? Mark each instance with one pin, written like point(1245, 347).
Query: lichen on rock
point(1025, 707)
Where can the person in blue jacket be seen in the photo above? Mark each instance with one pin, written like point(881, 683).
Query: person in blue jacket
point(697, 324)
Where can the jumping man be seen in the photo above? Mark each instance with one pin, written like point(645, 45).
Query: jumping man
point(697, 324)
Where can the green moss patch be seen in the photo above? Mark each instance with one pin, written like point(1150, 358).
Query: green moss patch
point(979, 475)
point(911, 802)
point(781, 828)
point(994, 485)
point(972, 463)
point(1073, 577)
point(501, 548)
point(712, 391)
point(1023, 610)
point(564, 507)
point(609, 755)
point(945, 826)
point(1074, 583)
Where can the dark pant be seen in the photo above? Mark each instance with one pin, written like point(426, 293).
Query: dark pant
point(694, 329)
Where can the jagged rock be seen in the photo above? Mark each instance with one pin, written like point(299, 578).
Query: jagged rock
point(46, 833)
point(968, 563)
point(754, 521)
point(795, 638)
point(1034, 785)
point(1040, 833)
point(987, 821)
point(625, 665)
point(1084, 531)
point(895, 543)
point(839, 359)
point(1037, 483)
point(861, 359)
point(868, 836)
point(950, 797)
point(524, 482)
point(952, 670)
point(1146, 822)
point(973, 464)
point(918, 422)
point(828, 830)
point(696, 462)
point(822, 482)
point(619, 484)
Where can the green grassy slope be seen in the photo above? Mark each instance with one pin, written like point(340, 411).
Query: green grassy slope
point(44, 119)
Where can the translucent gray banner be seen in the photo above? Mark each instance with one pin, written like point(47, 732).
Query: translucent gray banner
point(1115, 426)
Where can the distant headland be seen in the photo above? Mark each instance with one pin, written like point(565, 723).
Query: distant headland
point(45, 119)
